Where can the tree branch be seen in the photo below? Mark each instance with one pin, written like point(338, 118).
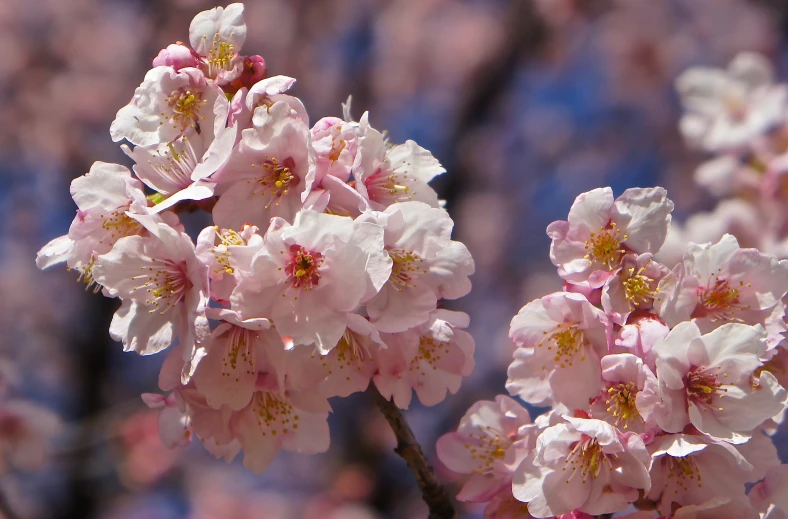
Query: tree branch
point(408, 448)
point(5, 507)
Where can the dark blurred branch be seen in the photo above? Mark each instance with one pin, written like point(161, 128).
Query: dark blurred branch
point(408, 448)
point(5, 507)
point(526, 34)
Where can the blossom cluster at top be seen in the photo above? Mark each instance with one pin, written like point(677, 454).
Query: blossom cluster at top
point(664, 382)
point(739, 117)
point(323, 270)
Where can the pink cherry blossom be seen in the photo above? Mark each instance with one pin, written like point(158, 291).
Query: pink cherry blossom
point(269, 91)
point(427, 265)
point(633, 287)
point(309, 275)
point(770, 496)
point(629, 393)
point(228, 256)
point(694, 469)
point(640, 335)
point(276, 420)
point(386, 175)
point(346, 369)
point(492, 439)
point(585, 465)
point(104, 196)
point(180, 169)
point(709, 381)
point(727, 108)
point(164, 289)
point(239, 353)
point(718, 283)
point(560, 340)
point(216, 36)
point(269, 173)
point(178, 56)
point(26, 433)
point(601, 230)
point(429, 359)
point(165, 106)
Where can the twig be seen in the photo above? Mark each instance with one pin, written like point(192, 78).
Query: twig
point(408, 448)
point(5, 507)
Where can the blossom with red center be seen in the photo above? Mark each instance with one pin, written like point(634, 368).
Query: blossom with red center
point(308, 276)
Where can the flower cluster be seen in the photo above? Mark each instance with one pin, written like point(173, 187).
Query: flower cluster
point(739, 117)
point(323, 269)
point(664, 383)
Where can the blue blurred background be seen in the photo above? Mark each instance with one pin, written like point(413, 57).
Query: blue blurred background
point(526, 102)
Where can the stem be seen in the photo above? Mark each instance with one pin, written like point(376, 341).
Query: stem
point(408, 448)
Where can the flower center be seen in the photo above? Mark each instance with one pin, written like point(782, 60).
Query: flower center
point(388, 188)
point(277, 178)
point(702, 386)
point(638, 287)
point(604, 247)
point(239, 346)
point(227, 238)
point(165, 283)
point(489, 445)
point(337, 145)
point(568, 341)
point(274, 414)
point(185, 106)
point(118, 224)
point(683, 472)
point(429, 352)
point(176, 166)
point(220, 57)
point(586, 458)
point(718, 301)
point(303, 269)
point(621, 403)
point(406, 265)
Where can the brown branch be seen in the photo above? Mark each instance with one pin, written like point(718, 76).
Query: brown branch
point(408, 448)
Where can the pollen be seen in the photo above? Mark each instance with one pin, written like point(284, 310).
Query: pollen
point(430, 352)
point(274, 414)
point(239, 351)
point(303, 268)
point(565, 343)
point(621, 404)
point(586, 459)
point(407, 265)
point(604, 247)
point(683, 472)
point(118, 224)
point(185, 106)
point(486, 448)
point(702, 386)
point(277, 179)
point(719, 300)
point(166, 283)
point(638, 287)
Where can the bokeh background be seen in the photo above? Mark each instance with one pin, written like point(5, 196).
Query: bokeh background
point(526, 102)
